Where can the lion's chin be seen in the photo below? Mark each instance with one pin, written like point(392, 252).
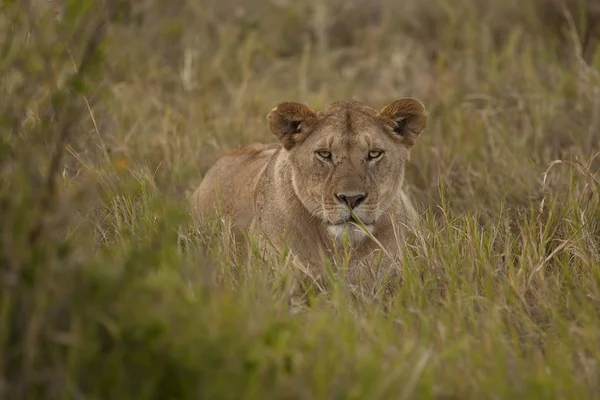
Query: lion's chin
point(355, 233)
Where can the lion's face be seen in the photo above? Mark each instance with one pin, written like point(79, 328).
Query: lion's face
point(348, 158)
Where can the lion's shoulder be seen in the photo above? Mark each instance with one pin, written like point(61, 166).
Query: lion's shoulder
point(254, 150)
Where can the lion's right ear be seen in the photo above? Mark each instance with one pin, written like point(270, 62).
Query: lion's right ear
point(291, 122)
point(407, 117)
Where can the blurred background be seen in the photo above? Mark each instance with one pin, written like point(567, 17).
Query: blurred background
point(111, 111)
point(510, 86)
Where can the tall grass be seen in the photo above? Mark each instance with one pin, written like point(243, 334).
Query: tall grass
point(111, 112)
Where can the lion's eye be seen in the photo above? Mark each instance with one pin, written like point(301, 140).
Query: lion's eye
point(324, 154)
point(375, 154)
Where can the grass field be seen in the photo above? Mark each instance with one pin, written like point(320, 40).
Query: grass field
point(111, 112)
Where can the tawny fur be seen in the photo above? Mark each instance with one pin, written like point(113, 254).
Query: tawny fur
point(291, 193)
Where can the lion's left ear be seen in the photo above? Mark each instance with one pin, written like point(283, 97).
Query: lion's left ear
point(291, 122)
point(407, 116)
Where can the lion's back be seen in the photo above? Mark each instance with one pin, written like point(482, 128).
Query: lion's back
point(228, 184)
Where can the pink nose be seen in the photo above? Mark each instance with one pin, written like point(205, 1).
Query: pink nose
point(351, 200)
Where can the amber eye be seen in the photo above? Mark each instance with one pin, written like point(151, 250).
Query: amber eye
point(375, 154)
point(325, 154)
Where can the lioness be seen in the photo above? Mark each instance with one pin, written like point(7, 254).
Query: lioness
point(343, 162)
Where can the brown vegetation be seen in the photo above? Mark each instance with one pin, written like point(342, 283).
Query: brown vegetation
point(111, 112)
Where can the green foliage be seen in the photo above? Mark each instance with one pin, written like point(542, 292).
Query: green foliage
point(111, 111)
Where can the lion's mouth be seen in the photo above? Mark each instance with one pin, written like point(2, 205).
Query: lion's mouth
point(352, 226)
point(345, 221)
point(351, 220)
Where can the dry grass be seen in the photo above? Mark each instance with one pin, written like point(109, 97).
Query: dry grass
point(109, 116)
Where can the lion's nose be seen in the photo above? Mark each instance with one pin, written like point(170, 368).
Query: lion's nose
point(351, 200)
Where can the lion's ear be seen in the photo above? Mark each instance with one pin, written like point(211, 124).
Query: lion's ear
point(291, 122)
point(407, 116)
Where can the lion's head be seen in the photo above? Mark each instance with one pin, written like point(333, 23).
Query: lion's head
point(348, 157)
